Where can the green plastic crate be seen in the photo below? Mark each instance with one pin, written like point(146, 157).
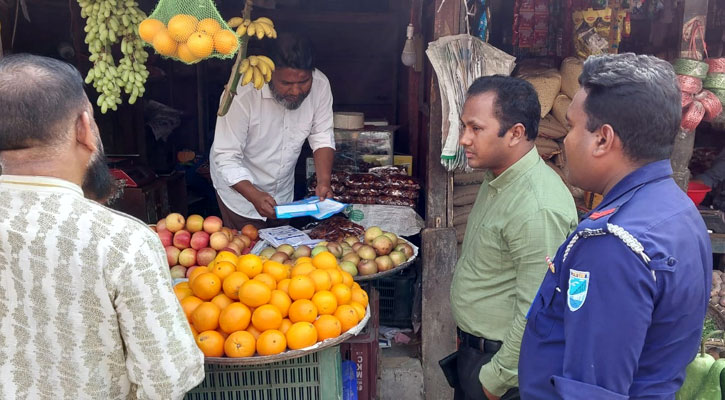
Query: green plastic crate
point(312, 376)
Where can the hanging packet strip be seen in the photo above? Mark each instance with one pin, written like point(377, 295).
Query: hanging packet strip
point(311, 206)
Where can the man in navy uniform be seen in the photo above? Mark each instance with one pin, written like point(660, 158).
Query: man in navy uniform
point(620, 312)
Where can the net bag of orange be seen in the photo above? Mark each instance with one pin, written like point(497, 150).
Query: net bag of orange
point(188, 31)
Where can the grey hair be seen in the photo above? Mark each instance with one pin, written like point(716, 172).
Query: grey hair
point(638, 95)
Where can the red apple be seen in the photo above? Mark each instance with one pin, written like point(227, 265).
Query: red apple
point(191, 269)
point(182, 239)
point(161, 225)
point(194, 223)
point(175, 222)
point(218, 240)
point(237, 248)
point(231, 250)
point(228, 232)
point(205, 256)
point(199, 240)
point(178, 272)
point(246, 239)
point(212, 224)
point(246, 250)
point(187, 257)
point(172, 255)
point(166, 237)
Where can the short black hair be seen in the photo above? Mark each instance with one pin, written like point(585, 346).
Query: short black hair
point(516, 102)
point(292, 50)
point(37, 94)
point(639, 97)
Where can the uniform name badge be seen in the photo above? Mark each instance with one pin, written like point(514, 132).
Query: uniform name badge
point(578, 288)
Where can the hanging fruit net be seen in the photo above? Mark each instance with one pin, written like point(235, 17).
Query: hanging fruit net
point(188, 31)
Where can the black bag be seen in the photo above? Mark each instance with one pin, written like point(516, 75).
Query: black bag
point(449, 365)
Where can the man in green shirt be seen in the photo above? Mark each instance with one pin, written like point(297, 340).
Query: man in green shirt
point(522, 214)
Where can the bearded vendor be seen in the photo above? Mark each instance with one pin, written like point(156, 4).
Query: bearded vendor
point(257, 143)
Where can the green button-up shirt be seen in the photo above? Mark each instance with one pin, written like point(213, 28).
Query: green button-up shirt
point(519, 218)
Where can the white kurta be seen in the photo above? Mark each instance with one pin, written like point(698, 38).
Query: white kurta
point(87, 310)
point(259, 140)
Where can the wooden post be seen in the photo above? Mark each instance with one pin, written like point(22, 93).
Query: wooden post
point(439, 238)
point(695, 13)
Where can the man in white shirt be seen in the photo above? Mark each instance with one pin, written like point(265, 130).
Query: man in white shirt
point(86, 305)
point(257, 143)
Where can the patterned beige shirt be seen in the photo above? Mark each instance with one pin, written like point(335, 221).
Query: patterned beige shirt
point(86, 305)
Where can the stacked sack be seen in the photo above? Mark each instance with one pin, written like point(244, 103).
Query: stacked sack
point(555, 100)
point(465, 190)
point(703, 90)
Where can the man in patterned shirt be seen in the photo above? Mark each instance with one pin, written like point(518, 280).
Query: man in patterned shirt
point(86, 305)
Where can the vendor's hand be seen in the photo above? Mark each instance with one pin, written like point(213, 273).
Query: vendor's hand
point(264, 203)
point(489, 395)
point(323, 191)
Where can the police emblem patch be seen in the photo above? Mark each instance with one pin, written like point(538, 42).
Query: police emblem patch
point(578, 288)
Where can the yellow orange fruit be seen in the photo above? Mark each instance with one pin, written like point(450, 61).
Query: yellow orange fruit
point(283, 285)
point(355, 285)
point(225, 42)
point(347, 316)
point(148, 28)
point(251, 329)
point(206, 286)
point(281, 300)
point(301, 287)
point(335, 276)
point(303, 310)
point(276, 270)
point(222, 301)
point(211, 343)
point(223, 269)
point(286, 323)
point(196, 272)
point(301, 335)
point(235, 317)
point(182, 292)
point(324, 260)
point(164, 44)
point(193, 331)
point(342, 293)
point(359, 309)
point(226, 256)
point(267, 280)
point(221, 332)
point(325, 301)
point(266, 317)
point(182, 26)
point(200, 44)
point(254, 293)
point(347, 278)
point(360, 296)
point(240, 344)
point(189, 304)
point(271, 342)
point(250, 264)
point(206, 317)
point(303, 259)
point(321, 278)
point(302, 269)
point(209, 26)
point(232, 283)
point(327, 327)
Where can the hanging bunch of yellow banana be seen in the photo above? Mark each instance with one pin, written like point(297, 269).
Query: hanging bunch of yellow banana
point(259, 28)
point(256, 69)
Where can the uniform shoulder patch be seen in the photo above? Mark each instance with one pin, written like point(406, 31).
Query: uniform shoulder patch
point(578, 288)
point(599, 214)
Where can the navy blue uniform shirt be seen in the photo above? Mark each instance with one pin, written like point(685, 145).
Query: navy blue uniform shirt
point(620, 312)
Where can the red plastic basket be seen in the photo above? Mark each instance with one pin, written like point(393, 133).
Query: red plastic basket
point(697, 191)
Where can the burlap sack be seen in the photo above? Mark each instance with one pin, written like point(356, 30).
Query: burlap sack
point(570, 70)
point(550, 128)
point(561, 106)
point(547, 84)
point(547, 148)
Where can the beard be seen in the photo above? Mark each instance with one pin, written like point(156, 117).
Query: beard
point(98, 183)
point(290, 103)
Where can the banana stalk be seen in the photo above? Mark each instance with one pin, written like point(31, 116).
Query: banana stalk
point(230, 90)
